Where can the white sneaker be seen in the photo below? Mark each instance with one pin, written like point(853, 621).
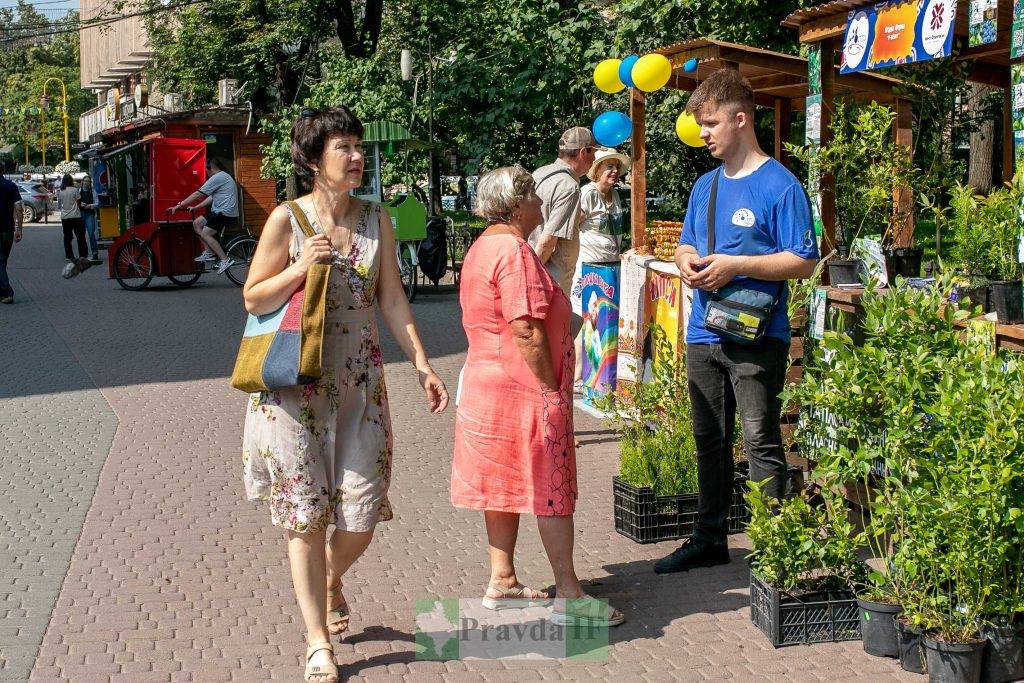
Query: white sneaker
point(206, 256)
point(224, 265)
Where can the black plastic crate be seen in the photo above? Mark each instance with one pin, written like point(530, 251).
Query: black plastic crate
point(815, 617)
point(643, 517)
point(646, 518)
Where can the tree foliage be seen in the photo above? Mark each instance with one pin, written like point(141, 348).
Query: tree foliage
point(27, 60)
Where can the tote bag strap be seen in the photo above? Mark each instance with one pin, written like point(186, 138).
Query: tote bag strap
point(300, 218)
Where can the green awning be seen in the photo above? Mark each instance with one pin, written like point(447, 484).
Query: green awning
point(393, 135)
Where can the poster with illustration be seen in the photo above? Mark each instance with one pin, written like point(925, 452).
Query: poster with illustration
point(600, 329)
point(897, 32)
point(632, 320)
point(668, 306)
point(982, 22)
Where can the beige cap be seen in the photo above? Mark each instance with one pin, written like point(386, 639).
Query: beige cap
point(576, 138)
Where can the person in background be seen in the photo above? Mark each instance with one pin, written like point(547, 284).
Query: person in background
point(11, 218)
point(557, 240)
point(600, 229)
point(220, 193)
point(514, 445)
point(68, 200)
point(89, 203)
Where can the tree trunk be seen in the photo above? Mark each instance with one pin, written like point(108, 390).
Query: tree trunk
point(982, 141)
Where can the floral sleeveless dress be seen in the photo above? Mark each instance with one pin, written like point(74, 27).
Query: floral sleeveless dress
point(321, 453)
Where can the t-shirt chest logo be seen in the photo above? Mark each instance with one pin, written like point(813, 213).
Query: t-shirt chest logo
point(744, 218)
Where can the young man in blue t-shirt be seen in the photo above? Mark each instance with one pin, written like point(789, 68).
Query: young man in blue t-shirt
point(763, 237)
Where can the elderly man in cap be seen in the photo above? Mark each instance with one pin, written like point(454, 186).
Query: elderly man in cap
point(557, 239)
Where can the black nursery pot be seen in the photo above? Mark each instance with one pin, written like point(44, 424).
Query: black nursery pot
point(903, 261)
point(877, 628)
point(1007, 299)
point(844, 271)
point(1003, 660)
point(953, 662)
point(908, 640)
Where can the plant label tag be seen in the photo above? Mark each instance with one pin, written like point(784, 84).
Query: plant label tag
point(817, 313)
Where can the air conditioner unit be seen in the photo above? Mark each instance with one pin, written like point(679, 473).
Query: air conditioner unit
point(173, 102)
point(227, 92)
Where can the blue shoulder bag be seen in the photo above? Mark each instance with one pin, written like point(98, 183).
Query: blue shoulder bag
point(735, 312)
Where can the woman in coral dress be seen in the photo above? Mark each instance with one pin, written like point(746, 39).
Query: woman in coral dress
point(514, 445)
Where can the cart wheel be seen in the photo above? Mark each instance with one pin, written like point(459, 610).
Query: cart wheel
point(187, 280)
point(133, 265)
point(407, 269)
point(240, 250)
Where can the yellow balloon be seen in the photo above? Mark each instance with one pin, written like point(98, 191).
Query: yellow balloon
point(688, 130)
point(652, 72)
point(606, 76)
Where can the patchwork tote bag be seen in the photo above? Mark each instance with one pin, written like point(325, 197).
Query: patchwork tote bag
point(283, 348)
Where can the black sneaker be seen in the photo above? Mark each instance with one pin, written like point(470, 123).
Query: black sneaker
point(693, 554)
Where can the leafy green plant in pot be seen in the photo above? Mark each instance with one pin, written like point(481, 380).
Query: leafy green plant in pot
point(986, 232)
point(877, 388)
point(866, 167)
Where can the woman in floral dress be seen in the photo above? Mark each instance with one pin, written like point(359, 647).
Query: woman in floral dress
point(320, 454)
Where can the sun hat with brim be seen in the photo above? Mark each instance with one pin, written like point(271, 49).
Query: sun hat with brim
point(604, 154)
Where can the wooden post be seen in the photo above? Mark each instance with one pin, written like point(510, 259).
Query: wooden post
point(827, 183)
point(638, 170)
point(783, 129)
point(1009, 152)
point(903, 197)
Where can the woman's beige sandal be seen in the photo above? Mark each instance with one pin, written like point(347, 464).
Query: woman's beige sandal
point(586, 611)
point(320, 673)
point(337, 616)
point(518, 596)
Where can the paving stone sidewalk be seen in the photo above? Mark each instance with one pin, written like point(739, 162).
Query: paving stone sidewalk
point(175, 577)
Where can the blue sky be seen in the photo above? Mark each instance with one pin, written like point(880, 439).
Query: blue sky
point(45, 6)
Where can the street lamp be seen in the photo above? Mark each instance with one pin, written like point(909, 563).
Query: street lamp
point(44, 101)
point(406, 65)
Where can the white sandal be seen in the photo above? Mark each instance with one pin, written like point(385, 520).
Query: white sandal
point(517, 597)
point(337, 616)
point(586, 611)
point(316, 673)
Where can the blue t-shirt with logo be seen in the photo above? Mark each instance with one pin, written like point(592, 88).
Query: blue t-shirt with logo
point(765, 212)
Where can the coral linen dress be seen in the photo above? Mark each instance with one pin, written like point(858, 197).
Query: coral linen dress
point(514, 444)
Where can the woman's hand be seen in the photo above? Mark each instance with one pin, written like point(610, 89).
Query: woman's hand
point(437, 394)
point(316, 249)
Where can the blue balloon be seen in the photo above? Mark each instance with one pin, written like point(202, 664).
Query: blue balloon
point(690, 65)
point(612, 128)
point(626, 70)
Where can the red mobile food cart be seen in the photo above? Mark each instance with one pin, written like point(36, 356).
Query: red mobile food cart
point(149, 177)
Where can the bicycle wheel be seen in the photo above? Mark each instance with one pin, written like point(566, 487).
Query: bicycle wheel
point(134, 265)
point(240, 250)
point(407, 269)
point(189, 279)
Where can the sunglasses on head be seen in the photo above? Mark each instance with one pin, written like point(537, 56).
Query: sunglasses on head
point(308, 113)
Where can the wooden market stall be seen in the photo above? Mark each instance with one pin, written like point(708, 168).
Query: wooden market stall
point(824, 29)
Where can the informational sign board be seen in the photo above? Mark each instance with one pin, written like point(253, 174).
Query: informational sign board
point(898, 32)
point(600, 329)
point(632, 320)
point(1017, 32)
point(983, 21)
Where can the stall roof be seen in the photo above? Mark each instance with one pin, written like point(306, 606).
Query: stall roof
point(773, 75)
point(393, 134)
point(991, 62)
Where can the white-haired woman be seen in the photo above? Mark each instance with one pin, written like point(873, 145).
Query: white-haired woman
point(514, 446)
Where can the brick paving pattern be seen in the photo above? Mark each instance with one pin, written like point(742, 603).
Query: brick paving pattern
point(175, 577)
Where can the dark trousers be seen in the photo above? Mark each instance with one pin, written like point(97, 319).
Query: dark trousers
point(6, 242)
point(76, 226)
point(722, 378)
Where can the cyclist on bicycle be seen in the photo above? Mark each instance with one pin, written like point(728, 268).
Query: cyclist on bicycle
point(220, 193)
